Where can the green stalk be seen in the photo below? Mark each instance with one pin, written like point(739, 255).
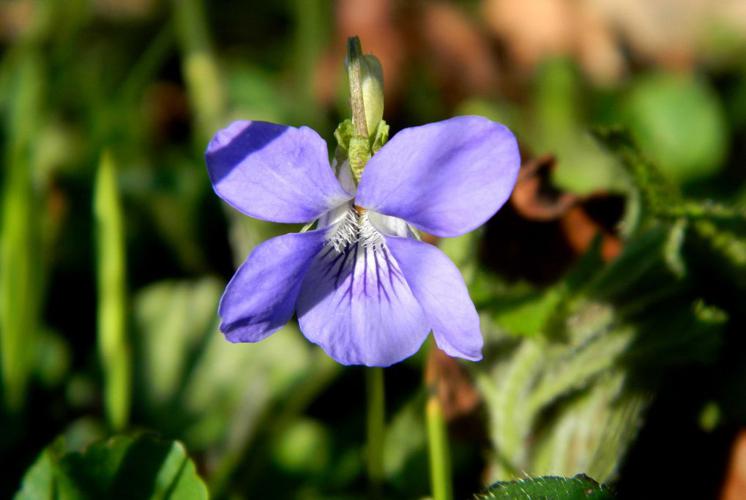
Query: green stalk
point(310, 21)
point(113, 345)
point(19, 257)
point(375, 425)
point(437, 440)
point(199, 68)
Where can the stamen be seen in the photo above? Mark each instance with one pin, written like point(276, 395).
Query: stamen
point(354, 229)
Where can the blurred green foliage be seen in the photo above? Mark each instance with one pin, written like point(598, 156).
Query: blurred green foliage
point(114, 253)
point(122, 467)
point(659, 108)
point(113, 344)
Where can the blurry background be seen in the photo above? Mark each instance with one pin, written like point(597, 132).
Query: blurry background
point(611, 286)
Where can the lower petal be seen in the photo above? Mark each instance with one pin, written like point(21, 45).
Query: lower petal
point(442, 293)
point(261, 296)
point(355, 304)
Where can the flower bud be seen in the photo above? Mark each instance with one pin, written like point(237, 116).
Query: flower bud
point(372, 87)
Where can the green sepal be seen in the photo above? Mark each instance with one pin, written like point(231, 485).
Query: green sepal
point(358, 152)
point(343, 134)
point(345, 131)
point(380, 137)
point(358, 149)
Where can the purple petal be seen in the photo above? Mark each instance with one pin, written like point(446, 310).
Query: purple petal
point(446, 178)
point(273, 172)
point(358, 307)
point(261, 296)
point(438, 286)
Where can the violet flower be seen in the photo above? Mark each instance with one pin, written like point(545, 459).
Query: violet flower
point(363, 287)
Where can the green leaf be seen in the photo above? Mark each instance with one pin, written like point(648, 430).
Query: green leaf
point(405, 448)
point(506, 389)
point(137, 466)
point(724, 248)
point(549, 487)
point(582, 166)
point(194, 382)
point(680, 333)
point(526, 313)
point(568, 399)
point(680, 123)
point(649, 266)
point(589, 431)
point(658, 194)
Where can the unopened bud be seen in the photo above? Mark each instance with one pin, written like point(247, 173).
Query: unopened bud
point(372, 87)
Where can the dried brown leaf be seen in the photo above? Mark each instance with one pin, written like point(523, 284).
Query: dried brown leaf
point(533, 196)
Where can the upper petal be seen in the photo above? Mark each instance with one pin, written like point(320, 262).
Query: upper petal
point(438, 286)
point(261, 296)
point(356, 305)
point(446, 178)
point(273, 172)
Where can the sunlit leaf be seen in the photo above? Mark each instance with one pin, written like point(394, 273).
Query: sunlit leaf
point(580, 487)
point(679, 122)
point(218, 389)
point(139, 466)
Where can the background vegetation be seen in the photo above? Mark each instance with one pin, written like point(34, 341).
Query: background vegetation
point(611, 286)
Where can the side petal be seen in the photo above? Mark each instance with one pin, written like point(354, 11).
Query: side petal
point(446, 178)
point(261, 296)
point(438, 286)
point(273, 172)
point(356, 305)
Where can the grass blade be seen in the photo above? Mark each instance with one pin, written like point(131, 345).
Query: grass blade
point(113, 345)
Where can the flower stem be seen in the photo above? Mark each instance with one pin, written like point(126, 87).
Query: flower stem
point(375, 425)
point(440, 466)
point(200, 71)
point(437, 439)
